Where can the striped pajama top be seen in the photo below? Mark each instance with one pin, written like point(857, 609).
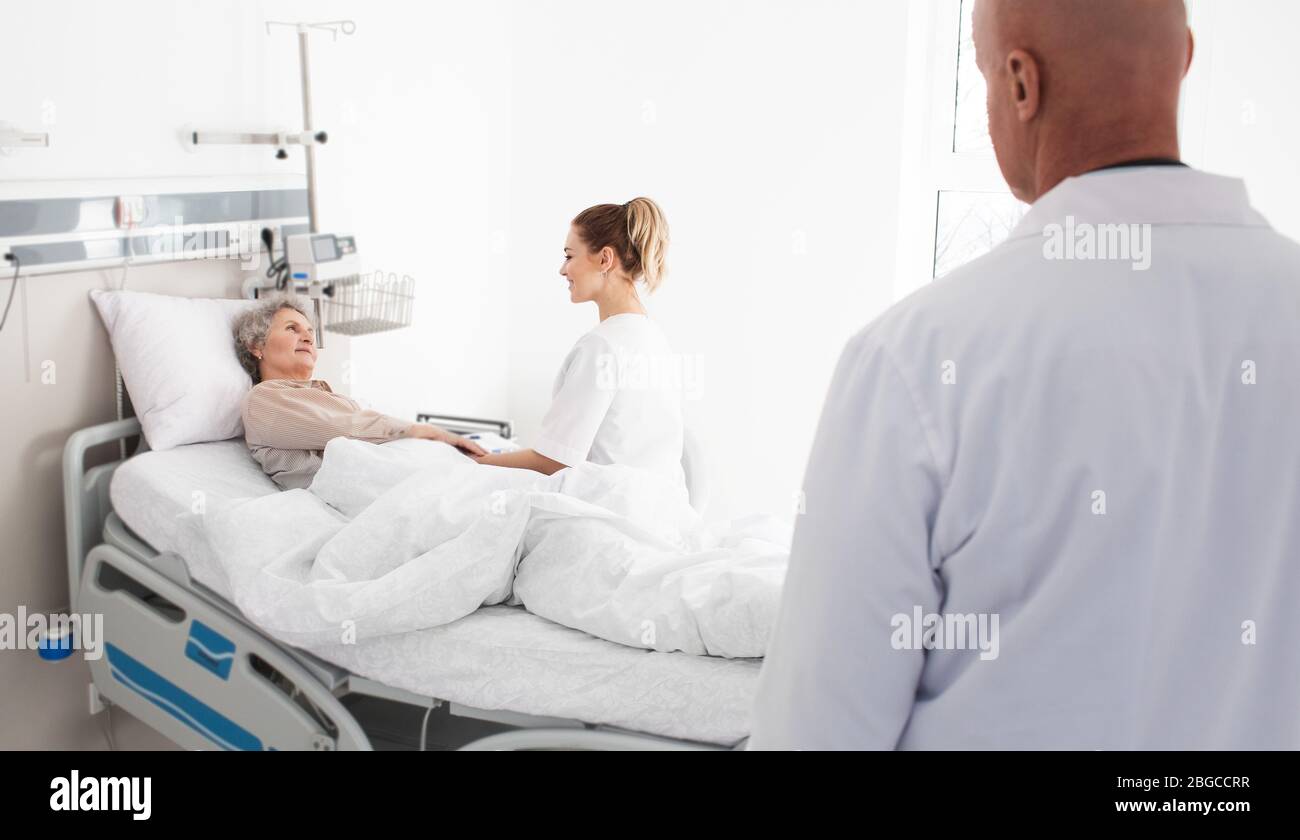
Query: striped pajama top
point(288, 422)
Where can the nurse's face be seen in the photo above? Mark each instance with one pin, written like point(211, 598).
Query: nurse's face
point(582, 268)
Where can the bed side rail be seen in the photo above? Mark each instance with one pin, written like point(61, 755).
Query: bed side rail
point(85, 493)
point(467, 425)
point(200, 676)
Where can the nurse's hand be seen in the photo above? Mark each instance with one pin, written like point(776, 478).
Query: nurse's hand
point(428, 431)
point(523, 459)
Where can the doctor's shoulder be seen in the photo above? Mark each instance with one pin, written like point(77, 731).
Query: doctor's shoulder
point(929, 330)
point(970, 296)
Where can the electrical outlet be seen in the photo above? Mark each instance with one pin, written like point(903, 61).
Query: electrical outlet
point(128, 211)
point(96, 702)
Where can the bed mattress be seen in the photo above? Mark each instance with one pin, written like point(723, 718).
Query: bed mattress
point(497, 658)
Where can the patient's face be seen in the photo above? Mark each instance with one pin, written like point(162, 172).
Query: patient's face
point(290, 349)
point(581, 268)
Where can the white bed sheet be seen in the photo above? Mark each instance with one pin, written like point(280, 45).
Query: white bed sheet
point(498, 658)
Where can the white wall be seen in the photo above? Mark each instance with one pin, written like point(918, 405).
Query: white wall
point(418, 168)
point(769, 134)
point(1245, 80)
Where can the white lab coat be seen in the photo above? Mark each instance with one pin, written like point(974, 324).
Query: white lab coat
point(1106, 459)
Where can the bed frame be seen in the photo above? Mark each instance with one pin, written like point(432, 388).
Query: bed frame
point(182, 658)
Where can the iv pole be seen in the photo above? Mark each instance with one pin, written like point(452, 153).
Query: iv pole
point(309, 138)
point(347, 27)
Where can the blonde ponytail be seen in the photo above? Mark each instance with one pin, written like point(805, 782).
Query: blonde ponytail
point(636, 231)
point(648, 232)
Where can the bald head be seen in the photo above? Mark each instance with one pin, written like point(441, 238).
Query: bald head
point(1074, 85)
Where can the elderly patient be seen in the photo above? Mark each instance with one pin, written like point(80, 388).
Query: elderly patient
point(288, 416)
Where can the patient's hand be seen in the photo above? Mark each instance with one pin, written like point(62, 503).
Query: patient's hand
point(428, 431)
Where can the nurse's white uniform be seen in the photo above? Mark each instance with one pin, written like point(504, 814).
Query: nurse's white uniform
point(1106, 459)
point(616, 401)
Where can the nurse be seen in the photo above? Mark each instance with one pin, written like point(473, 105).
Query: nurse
point(614, 401)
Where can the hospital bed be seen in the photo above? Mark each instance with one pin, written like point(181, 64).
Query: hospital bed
point(178, 655)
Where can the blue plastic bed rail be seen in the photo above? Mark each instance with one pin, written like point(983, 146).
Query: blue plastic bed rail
point(179, 703)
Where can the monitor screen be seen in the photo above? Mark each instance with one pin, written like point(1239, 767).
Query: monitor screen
point(323, 249)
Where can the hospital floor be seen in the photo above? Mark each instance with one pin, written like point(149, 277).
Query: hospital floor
point(46, 706)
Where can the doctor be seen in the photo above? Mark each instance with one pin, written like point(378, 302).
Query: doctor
point(614, 401)
point(1053, 499)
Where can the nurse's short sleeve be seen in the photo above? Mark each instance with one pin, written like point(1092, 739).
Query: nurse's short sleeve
point(581, 402)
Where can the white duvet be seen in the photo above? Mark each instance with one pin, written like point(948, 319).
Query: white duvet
point(412, 534)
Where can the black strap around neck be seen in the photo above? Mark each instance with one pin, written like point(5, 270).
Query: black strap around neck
point(1156, 161)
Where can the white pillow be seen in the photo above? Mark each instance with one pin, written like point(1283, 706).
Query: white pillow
point(177, 357)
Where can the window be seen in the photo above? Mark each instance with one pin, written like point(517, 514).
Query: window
point(971, 117)
point(968, 224)
point(955, 205)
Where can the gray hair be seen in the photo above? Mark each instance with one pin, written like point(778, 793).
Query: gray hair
point(252, 327)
